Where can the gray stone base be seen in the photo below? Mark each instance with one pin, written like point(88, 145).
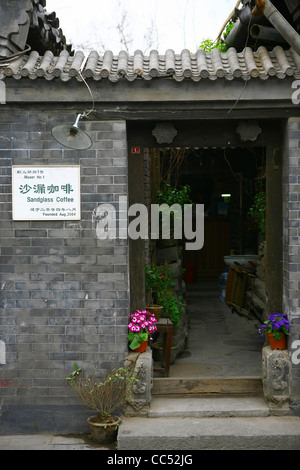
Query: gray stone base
point(141, 366)
point(276, 367)
point(267, 433)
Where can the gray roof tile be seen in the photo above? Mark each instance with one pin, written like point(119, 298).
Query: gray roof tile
point(200, 65)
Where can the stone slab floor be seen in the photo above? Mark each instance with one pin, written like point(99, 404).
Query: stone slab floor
point(221, 342)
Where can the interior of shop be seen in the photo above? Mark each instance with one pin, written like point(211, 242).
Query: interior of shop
point(226, 181)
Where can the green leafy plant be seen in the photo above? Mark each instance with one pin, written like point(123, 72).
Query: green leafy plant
point(74, 374)
point(172, 306)
point(208, 44)
point(258, 212)
point(103, 395)
point(176, 197)
point(228, 28)
point(171, 195)
point(159, 283)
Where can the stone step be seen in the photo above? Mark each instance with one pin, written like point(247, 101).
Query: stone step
point(238, 433)
point(207, 407)
point(220, 386)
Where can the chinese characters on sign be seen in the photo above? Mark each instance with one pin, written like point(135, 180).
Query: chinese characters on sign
point(46, 192)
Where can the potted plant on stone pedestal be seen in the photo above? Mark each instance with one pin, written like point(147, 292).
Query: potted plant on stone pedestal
point(276, 328)
point(141, 326)
point(104, 395)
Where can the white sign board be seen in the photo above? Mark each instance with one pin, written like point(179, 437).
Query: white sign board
point(46, 192)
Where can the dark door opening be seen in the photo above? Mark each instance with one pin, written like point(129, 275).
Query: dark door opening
point(219, 340)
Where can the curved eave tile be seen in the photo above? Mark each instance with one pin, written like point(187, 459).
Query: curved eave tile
point(197, 66)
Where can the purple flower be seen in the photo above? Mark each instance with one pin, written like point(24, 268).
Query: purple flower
point(276, 322)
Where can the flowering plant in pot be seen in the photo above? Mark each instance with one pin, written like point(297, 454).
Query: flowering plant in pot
point(104, 395)
point(141, 326)
point(159, 284)
point(156, 283)
point(276, 327)
point(172, 306)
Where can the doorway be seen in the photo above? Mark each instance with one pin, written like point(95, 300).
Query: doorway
point(218, 145)
point(219, 339)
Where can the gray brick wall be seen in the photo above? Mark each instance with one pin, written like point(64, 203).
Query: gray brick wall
point(291, 249)
point(64, 293)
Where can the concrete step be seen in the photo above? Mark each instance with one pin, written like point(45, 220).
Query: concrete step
point(216, 386)
point(239, 433)
point(207, 407)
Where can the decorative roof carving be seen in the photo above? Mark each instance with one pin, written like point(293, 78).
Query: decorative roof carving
point(14, 26)
point(25, 24)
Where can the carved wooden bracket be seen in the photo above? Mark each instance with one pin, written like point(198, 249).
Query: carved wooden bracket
point(164, 132)
point(248, 130)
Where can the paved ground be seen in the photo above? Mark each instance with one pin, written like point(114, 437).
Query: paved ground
point(221, 343)
point(50, 442)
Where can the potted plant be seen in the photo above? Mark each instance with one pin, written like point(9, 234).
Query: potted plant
point(160, 285)
point(276, 327)
point(155, 283)
point(105, 396)
point(172, 306)
point(141, 326)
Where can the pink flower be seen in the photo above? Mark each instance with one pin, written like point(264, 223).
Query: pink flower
point(152, 328)
point(135, 328)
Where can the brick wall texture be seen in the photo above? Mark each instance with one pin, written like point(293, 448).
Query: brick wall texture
point(291, 250)
point(64, 292)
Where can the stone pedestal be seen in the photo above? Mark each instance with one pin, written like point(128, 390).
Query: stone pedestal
point(141, 366)
point(276, 380)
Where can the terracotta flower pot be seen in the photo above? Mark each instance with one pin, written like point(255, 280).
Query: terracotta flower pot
point(156, 310)
point(104, 432)
point(277, 343)
point(142, 347)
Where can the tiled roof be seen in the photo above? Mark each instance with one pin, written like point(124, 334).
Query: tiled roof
point(29, 26)
point(44, 31)
point(212, 65)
